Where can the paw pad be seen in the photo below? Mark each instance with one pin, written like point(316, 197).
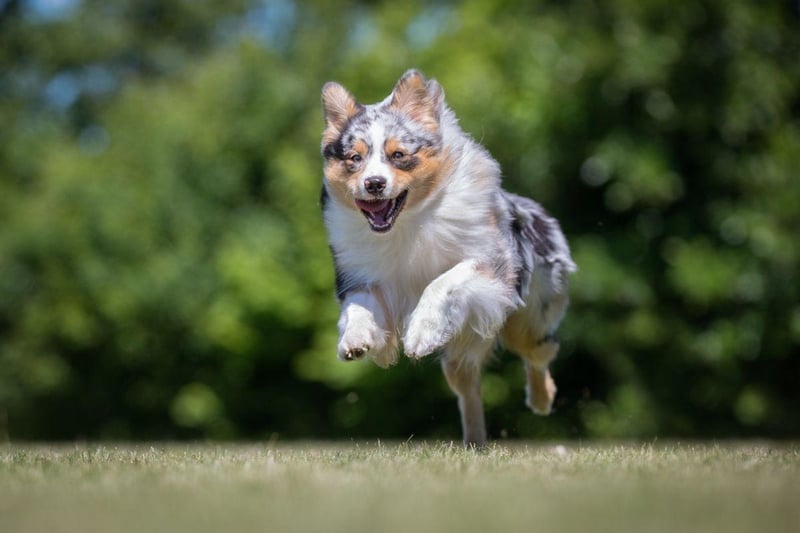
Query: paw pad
point(355, 353)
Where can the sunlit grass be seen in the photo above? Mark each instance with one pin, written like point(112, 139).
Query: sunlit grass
point(400, 487)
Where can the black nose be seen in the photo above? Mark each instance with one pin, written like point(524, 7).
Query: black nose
point(375, 184)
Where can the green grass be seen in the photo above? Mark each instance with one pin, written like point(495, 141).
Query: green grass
point(319, 487)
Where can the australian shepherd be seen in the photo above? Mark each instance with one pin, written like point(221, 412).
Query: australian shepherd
point(431, 254)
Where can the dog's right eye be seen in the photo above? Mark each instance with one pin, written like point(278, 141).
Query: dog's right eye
point(355, 158)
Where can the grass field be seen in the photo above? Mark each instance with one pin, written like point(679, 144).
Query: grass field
point(320, 487)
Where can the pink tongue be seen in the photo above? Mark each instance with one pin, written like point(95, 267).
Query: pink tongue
point(374, 206)
point(377, 210)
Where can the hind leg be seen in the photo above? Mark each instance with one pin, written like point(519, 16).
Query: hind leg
point(522, 336)
point(541, 389)
point(462, 370)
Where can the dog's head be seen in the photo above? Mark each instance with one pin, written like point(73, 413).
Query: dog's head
point(383, 157)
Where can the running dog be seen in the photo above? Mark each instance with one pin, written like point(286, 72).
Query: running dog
point(430, 253)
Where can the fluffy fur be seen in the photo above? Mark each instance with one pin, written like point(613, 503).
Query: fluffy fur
point(431, 255)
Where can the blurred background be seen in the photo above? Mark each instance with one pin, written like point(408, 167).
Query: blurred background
point(164, 273)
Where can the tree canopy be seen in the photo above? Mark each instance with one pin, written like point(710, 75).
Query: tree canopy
point(164, 272)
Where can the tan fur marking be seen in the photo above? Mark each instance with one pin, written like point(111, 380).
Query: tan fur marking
point(392, 146)
point(342, 178)
point(541, 390)
point(361, 148)
point(338, 106)
point(339, 179)
point(419, 99)
point(426, 177)
point(519, 338)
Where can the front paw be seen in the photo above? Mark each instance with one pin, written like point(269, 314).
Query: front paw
point(424, 336)
point(356, 343)
point(353, 353)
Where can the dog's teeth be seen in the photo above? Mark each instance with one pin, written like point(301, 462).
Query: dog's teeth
point(381, 213)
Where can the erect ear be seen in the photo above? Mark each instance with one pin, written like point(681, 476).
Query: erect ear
point(338, 106)
point(420, 99)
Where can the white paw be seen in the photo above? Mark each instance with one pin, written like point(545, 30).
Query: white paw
point(425, 335)
point(358, 341)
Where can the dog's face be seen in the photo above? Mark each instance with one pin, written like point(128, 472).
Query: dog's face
point(385, 157)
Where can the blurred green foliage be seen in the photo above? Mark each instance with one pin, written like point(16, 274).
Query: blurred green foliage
point(164, 272)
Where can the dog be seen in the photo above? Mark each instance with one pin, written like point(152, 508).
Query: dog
point(430, 253)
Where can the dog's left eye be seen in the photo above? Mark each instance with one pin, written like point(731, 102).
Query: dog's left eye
point(398, 155)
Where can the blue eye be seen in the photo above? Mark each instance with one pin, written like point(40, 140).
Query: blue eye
point(355, 158)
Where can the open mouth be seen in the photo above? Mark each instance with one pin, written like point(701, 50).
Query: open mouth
point(382, 213)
